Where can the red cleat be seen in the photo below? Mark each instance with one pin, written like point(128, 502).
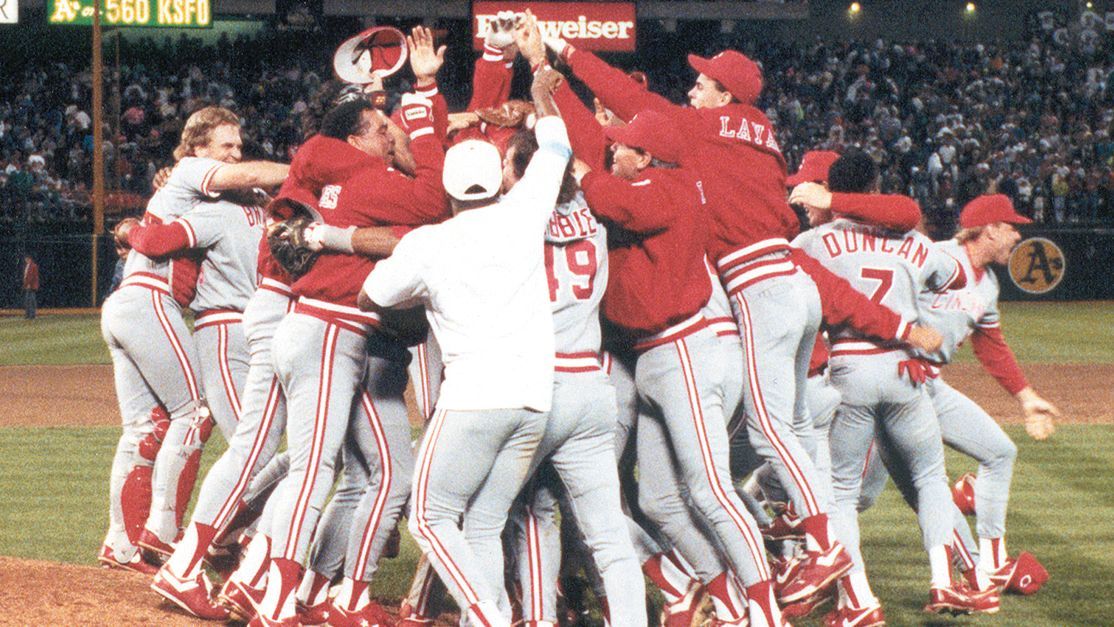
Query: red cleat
point(240, 599)
point(684, 611)
point(314, 614)
point(963, 493)
point(959, 599)
point(193, 596)
point(151, 543)
point(107, 558)
point(805, 607)
point(371, 615)
point(785, 526)
point(815, 572)
point(855, 617)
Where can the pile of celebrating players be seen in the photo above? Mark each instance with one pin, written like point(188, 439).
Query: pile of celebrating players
point(626, 359)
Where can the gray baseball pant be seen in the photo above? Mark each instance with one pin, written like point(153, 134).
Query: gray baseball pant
point(876, 397)
point(578, 443)
point(680, 387)
point(476, 461)
point(154, 357)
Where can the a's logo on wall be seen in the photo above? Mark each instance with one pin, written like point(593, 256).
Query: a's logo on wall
point(1037, 265)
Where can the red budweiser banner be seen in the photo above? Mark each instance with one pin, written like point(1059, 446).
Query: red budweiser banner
point(587, 25)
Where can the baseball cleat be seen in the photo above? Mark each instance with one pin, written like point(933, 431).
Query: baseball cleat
point(784, 526)
point(855, 617)
point(1021, 575)
point(684, 611)
point(963, 493)
point(107, 558)
point(805, 607)
point(959, 599)
point(815, 572)
point(240, 599)
point(409, 618)
point(314, 614)
point(193, 596)
point(151, 543)
point(371, 615)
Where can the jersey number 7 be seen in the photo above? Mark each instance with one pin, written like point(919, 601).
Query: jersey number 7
point(580, 259)
point(885, 278)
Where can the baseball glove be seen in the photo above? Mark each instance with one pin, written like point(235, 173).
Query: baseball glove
point(510, 114)
point(287, 241)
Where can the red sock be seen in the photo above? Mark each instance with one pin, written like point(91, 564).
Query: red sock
point(816, 529)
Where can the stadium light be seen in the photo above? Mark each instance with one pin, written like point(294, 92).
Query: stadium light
point(1090, 5)
point(855, 8)
point(970, 7)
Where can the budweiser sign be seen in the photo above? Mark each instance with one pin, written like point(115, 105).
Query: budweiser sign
point(588, 25)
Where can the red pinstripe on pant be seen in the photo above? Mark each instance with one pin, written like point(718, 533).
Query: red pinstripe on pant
point(386, 477)
point(764, 422)
point(328, 354)
point(697, 410)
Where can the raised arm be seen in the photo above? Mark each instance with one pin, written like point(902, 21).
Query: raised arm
point(585, 133)
point(622, 94)
point(491, 76)
point(541, 183)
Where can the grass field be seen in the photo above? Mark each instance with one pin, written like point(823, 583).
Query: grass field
point(53, 482)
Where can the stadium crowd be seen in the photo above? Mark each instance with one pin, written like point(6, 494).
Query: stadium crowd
point(945, 121)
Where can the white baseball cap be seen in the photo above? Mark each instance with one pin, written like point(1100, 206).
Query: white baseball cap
point(473, 170)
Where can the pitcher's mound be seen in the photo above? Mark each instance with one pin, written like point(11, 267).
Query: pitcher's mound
point(48, 593)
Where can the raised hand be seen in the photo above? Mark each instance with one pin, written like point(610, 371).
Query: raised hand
point(529, 40)
point(425, 60)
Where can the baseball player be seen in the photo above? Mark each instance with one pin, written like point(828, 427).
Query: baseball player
point(667, 507)
point(229, 234)
point(871, 377)
point(481, 277)
point(676, 389)
point(263, 415)
point(143, 314)
point(986, 236)
point(321, 351)
point(776, 308)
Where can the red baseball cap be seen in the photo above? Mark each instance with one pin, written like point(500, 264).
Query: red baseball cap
point(738, 74)
point(814, 168)
point(990, 209)
point(651, 131)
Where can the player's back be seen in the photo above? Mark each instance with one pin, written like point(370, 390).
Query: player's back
point(576, 270)
point(187, 187)
point(743, 173)
point(230, 232)
point(890, 268)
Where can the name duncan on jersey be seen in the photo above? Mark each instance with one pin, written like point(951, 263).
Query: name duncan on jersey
point(849, 242)
point(576, 224)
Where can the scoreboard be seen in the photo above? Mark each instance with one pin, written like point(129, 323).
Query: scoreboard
point(153, 13)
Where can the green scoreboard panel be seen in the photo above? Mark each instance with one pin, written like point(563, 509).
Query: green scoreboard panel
point(154, 13)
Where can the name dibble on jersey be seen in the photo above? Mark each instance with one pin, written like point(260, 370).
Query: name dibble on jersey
point(577, 224)
point(846, 242)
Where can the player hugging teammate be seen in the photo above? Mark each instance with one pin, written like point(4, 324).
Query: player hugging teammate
point(758, 389)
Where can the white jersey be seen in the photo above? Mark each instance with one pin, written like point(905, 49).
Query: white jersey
point(956, 314)
point(230, 234)
point(187, 187)
point(576, 266)
point(481, 276)
point(890, 268)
